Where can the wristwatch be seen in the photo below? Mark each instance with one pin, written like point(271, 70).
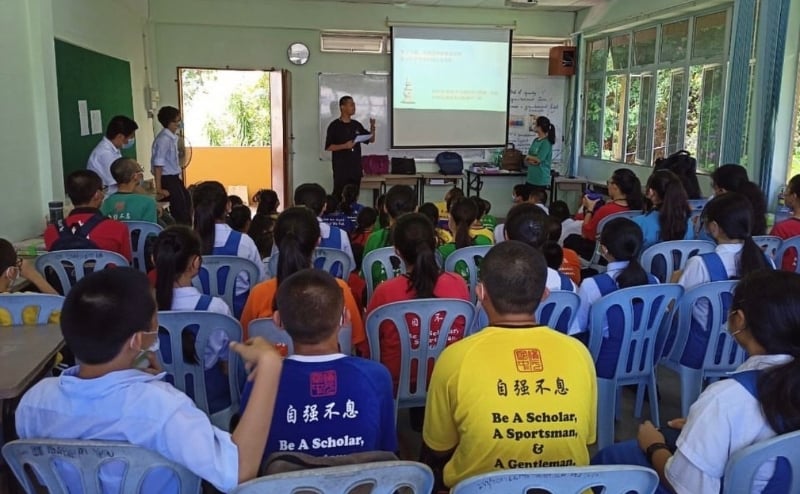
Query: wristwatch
point(651, 450)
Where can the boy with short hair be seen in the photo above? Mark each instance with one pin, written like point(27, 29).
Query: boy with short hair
point(109, 321)
point(127, 204)
point(515, 394)
point(328, 403)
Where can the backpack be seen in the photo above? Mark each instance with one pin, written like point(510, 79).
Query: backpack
point(76, 236)
point(450, 163)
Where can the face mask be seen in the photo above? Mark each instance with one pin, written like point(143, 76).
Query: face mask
point(129, 144)
point(155, 347)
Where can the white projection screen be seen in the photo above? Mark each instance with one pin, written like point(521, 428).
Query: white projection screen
point(450, 87)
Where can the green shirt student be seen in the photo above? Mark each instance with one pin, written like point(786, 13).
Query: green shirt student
point(128, 206)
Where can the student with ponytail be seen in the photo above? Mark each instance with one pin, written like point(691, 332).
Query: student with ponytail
point(540, 154)
point(178, 257)
point(733, 178)
point(211, 208)
point(759, 401)
point(666, 212)
point(297, 234)
point(463, 214)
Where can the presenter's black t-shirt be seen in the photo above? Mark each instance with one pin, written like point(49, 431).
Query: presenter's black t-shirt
point(340, 132)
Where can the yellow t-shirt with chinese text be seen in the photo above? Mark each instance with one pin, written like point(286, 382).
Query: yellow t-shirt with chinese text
point(512, 398)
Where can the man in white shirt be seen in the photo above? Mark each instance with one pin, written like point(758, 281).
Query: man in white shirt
point(166, 168)
point(120, 134)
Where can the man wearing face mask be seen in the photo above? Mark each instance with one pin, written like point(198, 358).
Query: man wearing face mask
point(166, 168)
point(120, 134)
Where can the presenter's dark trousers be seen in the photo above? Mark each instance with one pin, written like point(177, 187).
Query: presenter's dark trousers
point(180, 203)
point(344, 174)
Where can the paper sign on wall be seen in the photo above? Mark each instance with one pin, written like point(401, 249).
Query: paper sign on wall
point(97, 122)
point(83, 116)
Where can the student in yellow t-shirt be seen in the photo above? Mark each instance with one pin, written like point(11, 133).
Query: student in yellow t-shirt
point(515, 395)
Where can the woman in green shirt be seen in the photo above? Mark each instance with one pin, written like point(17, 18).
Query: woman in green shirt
point(540, 154)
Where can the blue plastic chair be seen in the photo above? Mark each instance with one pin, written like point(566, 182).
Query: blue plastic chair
point(334, 261)
point(672, 256)
point(190, 377)
point(424, 309)
point(743, 465)
point(70, 266)
point(86, 459)
point(594, 263)
point(392, 265)
point(140, 231)
point(266, 328)
point(557, 311)
point(723, 355)
point(769, 244)
point(46, 306)
point(792, 246)
point(698, 204)
point(471, 258)
point(224, 270)
point(616, 479)
point(637, 351)
point(382, 477)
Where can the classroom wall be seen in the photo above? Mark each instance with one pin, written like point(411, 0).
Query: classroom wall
point(254, 34)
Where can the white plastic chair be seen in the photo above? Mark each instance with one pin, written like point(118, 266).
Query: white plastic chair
point(557, 311)
point(218, 276)
point(769, 244)
point(390, 263)
point(140, 231)
point(792, 246)
point(70, 266)
point(673, 254)
point(266, 328)
point(470, 257)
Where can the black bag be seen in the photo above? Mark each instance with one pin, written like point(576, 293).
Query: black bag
point(76, 236)
point(404, 166)
point(450, 163)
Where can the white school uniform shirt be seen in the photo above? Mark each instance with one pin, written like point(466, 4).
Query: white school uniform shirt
point(103, 155)
point(723, 420)
point(165, 153)
point(696, 273)
point(247, 250)
point(185, 298)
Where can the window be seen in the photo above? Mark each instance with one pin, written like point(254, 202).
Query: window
point(613, 130)
point(794, 166)
point(593, 113)
point(644, 47)
point(354, 42)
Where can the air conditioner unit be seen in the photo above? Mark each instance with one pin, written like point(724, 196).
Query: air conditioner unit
point(522, 3)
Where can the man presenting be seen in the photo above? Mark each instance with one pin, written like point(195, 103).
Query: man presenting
point(345, 151)
point(120, 134)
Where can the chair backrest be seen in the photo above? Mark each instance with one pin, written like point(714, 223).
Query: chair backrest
point(638, 334)
point(190, 377)
point(617, 479)
point(218, 276)
point(664, 258)
point(266, 328)
point(334, 261)
point(84, 460)
point(140, 232)
point(792, 246)
point(31, 308)
point(388, 260)
point(384, 477)
point(743, 465)
point(558, 310)
point(622, 214)
point(466, 262)
point(698, 204)
point(769, 244)
point(70, 266)
point(404, 315)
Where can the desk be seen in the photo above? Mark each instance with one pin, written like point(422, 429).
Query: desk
point(475, 178)
point(380, 184)
point(567, 183)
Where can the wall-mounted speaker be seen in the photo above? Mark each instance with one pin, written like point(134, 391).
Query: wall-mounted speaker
point(562, 60)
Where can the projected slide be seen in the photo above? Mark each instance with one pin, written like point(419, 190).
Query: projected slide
point(449, 87)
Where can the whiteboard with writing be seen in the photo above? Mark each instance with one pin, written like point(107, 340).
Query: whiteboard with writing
point(531, 97)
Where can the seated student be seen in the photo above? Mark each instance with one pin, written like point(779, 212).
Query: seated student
point(358, 286)
point(570, 263)
point(560, 211)
point(178, 257)
point(313, 197)
point(261, 228)
point(756, 403)
point(620, 244)
point(86, 224)
point(527, 193)
point(267, 203)
point(514, 377)
point(297, 234)
point(667, 212)
point(728, 218)
point(450, 197)
point(239, 218)
point(463, 215)
point(349, 202)
point(328, 403)
point(790, 227)
point(484, 207)
point(430, 210)
point(13, 266)
point(383, 216)
point(334, 217)
point(235, 200)
point(365, 222)
point(211, 208)
point(127, 204)
point(400, 199)
point(478, 228)
point(109, 320)
point(733, 178)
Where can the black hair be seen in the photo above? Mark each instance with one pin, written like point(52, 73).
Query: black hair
point(365, 220)
point(464, 213)
point(623, 239)
point(120, 124)
point(267, 200)
point(344, 100)
point(540, 195)
point(349, 199)
point(8, 255)
point(527, 225)
point(297, 234)
point(770, 301)
point(548, 128)
point(514, 275)
point(415, 241)
point(683, 165)
point(81, 186)
point(380, 206)
point(167, 115)
point(239, 218)
point(210, 203)
point(733, 213)
point(174, 250)
point(451, 196)
point(311, 304)
point(331, 204)
point(793, 187)
point(523, 191)
point(674, 210)
point(629, 184)
point(400, 199)
point(553, 254)
point(487, 206)
point(311, 196)
point(559, 210)
point(103, 310)
point(430, 210)
point(481, 207)
point(235, 200)
point(733, 178)
point(358, 255)
point(124, 169)
point(261, 231)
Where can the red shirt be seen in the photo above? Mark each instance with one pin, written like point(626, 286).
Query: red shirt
point(449, 285)
point(358, 286)
point(787, 229)
point(589, 229)
point(107, 235)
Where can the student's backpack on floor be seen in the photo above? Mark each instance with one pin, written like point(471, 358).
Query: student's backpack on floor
point(76, 236)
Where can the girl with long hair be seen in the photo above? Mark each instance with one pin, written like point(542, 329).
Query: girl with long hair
point(463, 214)
point(666, 212)
point(733, 178)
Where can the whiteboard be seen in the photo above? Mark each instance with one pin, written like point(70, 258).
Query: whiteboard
point(530, 95)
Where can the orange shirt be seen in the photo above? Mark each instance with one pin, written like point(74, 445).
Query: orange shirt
point(571, 265)
point(259, 304)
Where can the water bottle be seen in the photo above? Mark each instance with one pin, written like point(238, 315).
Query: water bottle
point(56, 211)
point(783, 212)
